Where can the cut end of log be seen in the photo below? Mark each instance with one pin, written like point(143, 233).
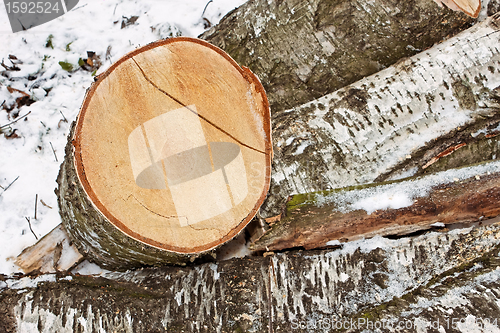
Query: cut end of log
point(173, 146)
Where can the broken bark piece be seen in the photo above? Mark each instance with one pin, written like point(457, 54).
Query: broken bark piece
point(53, 253)
point(393, 123)
point(314, 220)
point(170, 156)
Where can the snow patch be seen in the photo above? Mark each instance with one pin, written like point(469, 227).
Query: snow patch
point(343, 277)
point(333, 242)
point(35, 157)
point(28, 282)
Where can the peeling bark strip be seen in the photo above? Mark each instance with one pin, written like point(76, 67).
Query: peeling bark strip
point(391, 124)
point(317, 220)
point(169, 158)
point(304, 49)
point(263, 294)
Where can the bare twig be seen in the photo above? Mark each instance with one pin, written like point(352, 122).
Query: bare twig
point(36, 204)
point(29, 223)
point(15, 121)
point(51, 146)
point(62, 114)
point(5, 189)
point(108, 53)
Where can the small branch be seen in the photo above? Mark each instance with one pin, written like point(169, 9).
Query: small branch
point(51, 146)
point(62, 114)
point(206, 7)
point(15, 121)
point(9, 185)
point(29, 223)
point(43, 203)
point(36, 204)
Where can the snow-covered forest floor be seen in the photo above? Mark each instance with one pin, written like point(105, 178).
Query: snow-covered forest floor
point(42, 87)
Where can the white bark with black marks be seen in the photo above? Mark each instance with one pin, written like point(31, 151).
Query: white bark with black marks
point(304, 49)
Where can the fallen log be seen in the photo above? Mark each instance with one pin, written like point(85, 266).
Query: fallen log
point(327, 218)
point(277, 293)
point(393, 124)
point(55, 252)
point(304, 49)
point(169, 157)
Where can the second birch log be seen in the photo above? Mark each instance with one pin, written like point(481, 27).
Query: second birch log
point(266, 294)
point(392, 124)
point(321, 219)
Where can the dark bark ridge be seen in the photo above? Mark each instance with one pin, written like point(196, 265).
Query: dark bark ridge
point(261, 294)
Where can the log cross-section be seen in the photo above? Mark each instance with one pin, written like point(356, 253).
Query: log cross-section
point(170, 156)
point(469, 7)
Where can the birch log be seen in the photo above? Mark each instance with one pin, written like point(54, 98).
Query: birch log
point(392, 124)
point(284, 292)
point(304, 49)
point(328, 218)
point(169, 157)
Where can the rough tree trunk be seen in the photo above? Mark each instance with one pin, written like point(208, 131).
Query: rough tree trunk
point(304, 49)
point(277, 293)
point(288, 291)
point(295, 170)
point(394, 123)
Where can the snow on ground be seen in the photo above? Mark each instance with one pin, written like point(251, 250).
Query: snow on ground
point(30, 163)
